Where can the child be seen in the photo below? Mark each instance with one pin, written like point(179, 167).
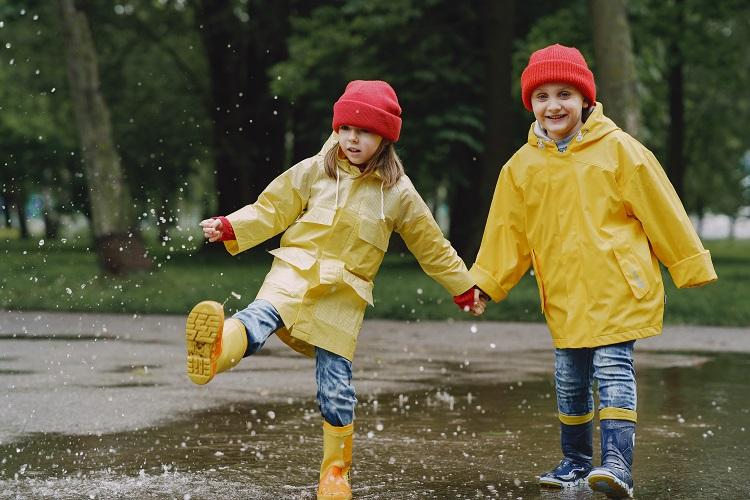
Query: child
point(592, 211)
point(339, 209)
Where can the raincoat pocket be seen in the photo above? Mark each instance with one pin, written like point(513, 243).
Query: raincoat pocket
point(362, 287)
point(297, 257)
point(539, 282)
point(374, 233)
point(633, 271)
point(318, 215)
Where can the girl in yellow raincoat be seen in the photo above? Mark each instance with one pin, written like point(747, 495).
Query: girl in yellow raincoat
point(592, 211)
point(338, 209)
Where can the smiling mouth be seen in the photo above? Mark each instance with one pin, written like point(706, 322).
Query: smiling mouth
point(556, 117)
point(353, 150)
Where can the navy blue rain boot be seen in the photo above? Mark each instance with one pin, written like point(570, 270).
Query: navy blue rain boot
point(614, 477)
point(576, 443)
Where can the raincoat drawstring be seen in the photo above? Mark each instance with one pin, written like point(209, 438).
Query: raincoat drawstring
point(382, 201)
point(336, 203)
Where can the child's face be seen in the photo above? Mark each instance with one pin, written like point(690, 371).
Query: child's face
point(558, 108)
point(358, 144)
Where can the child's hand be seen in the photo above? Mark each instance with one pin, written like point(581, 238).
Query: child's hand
point(472, 300)
point(480, 302)
point(211, 229)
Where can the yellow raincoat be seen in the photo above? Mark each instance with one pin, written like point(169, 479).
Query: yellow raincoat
point(594, 222)
point(338, 230)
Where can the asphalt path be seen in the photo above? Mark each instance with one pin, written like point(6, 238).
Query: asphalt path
point(89, 374)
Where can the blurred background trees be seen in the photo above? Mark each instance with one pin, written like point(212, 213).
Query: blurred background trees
point(209, 100)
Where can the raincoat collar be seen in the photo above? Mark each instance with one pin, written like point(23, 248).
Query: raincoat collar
point(345, 165)
point(596, 126)
point(353, 171)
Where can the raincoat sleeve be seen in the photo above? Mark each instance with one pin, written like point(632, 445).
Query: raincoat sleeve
point(277, 207)
point(504, 255)
point(650, 197)
point(425, 240)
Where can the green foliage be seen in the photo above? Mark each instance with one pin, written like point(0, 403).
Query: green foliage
point(713, 40)
point(37, 145)
point(428, 50)
point(153, 75)
point(155, 80)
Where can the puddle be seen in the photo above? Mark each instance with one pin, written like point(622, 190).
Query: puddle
point(456, 441)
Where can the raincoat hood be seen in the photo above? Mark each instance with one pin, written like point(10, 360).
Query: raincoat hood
point(595, 128)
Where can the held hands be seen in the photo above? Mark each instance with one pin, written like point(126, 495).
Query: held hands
point(472, 300)
point(211, 229)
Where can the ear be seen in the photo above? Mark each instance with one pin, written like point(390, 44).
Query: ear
point(585, 104)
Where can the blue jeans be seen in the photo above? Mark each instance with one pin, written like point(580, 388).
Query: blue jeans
point(611, 366)
point(333, 373)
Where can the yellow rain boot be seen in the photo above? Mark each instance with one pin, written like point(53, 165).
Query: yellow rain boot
point(213, 345)
point(337, 462)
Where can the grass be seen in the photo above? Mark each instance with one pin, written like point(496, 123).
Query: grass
point(63, 276)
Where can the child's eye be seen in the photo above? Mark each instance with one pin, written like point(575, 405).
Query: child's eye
point(541, 97)
point(344, 127)
point(565, 93)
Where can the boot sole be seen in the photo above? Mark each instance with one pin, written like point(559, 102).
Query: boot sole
point(609, 485)
point(559, 485)
point(203, 340)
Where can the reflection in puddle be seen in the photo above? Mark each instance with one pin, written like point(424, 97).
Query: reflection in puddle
point(16, 372)
point(486, 441)
point(76, 337)
point(135, 369)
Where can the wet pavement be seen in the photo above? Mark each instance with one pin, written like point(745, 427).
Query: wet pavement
point(99, 407)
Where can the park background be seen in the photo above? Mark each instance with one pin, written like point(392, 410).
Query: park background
point(124, 123)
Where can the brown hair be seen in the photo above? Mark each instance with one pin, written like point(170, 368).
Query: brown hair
point(385, 160)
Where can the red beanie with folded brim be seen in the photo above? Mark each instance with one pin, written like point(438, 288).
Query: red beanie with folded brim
point(557, 63)
point(371, 105)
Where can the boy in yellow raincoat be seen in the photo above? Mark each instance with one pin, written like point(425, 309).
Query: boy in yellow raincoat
point(592, 211)
point(338, 210)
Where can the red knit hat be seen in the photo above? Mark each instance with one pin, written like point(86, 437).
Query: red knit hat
point(557, 63)
point(369, 104)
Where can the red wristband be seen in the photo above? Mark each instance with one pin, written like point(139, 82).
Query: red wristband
point(227, 231)
point(466, 299)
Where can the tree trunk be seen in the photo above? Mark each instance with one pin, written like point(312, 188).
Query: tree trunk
point(675, 164)
point(119, 248)
point(16, 199)
point(471, 202)
point(6, 211)
point(51, 217)
point(616, 76)
point(248, 133)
